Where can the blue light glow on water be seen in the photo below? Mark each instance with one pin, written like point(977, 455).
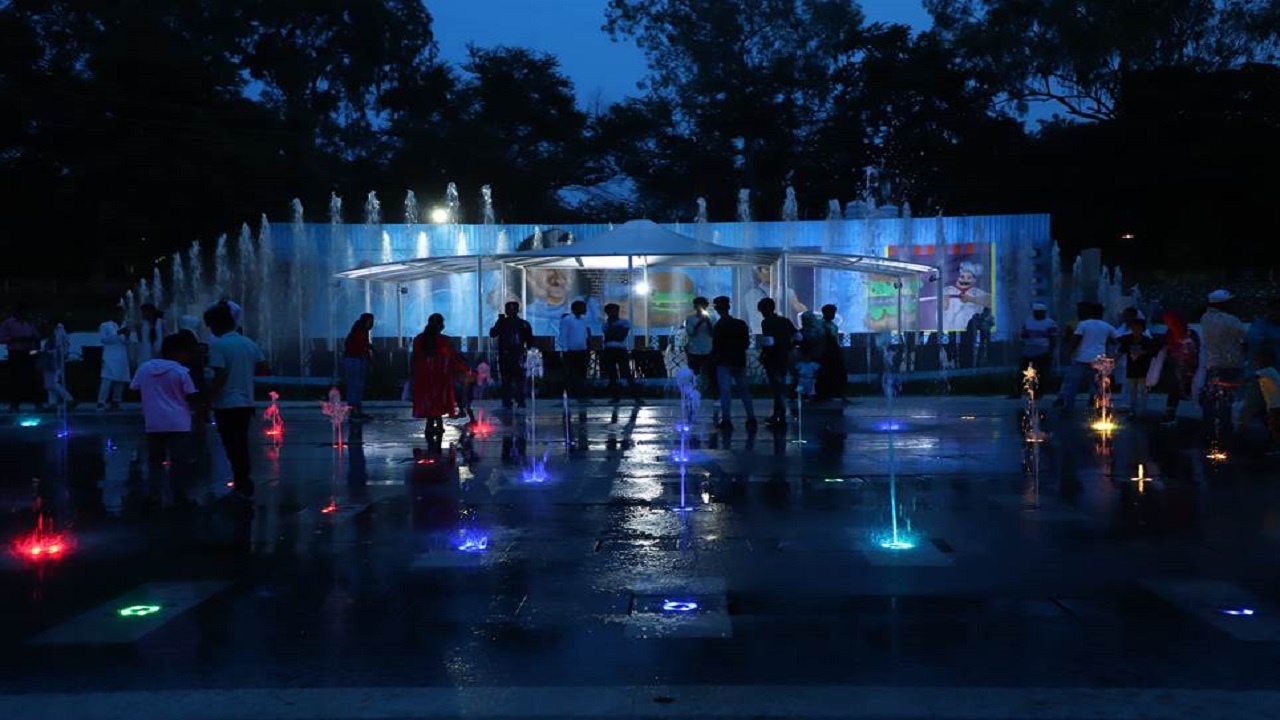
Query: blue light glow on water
point(679, 606)
point(890, 426)
point(472, 541)
point(29, 422)
point(1236, 612)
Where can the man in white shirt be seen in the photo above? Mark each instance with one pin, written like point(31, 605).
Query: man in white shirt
point(1089, 341)
point(1224, 336)
point(575, 338)
point(697, 333)
point(235, 360)
point(1039, 336)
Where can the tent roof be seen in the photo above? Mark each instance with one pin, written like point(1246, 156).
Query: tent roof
point(644, 243)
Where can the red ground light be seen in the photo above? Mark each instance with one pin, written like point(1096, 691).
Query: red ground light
point(39, 546)
point(332, 507)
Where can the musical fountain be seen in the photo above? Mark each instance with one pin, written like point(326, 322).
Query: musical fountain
point(336, 409)
point(898, 539)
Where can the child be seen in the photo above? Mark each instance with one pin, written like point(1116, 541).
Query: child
point(167, 396)
point(1139, 349)
point(52, 365)
point(1269, 385)
point(465, 391)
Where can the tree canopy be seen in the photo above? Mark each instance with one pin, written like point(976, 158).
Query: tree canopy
point(132, 128)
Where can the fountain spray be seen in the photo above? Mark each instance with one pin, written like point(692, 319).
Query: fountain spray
point(891, 386)
point(336, 410)
point(1105, 423)
point(1031, 423)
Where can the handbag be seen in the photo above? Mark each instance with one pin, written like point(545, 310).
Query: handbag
point(1157, 368)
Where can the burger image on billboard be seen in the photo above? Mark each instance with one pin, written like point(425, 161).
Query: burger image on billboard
point(670, 297)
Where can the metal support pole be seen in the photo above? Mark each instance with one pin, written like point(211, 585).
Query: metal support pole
point(784, 282)
point(631, 291)
point(938, 286)
point(400, 290)
point(897, 285)
point(479, 302)
point(647, 291)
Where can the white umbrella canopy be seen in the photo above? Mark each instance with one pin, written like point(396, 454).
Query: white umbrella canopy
point(643, 242)
point(638, 243)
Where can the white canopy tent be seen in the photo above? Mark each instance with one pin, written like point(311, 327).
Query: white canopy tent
point(637, 246)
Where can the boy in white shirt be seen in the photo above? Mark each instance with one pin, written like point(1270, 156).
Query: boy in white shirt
point(168, 394)
point(1090, 340)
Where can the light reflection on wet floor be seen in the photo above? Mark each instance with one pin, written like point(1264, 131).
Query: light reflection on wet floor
point(767, 515)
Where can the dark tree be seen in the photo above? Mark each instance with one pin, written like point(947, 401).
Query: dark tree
point(1077, 54)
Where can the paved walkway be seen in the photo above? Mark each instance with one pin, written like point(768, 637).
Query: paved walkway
point(1035, 581)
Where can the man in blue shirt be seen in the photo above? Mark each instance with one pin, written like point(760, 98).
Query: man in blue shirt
point(614, 358)
point(515, 337)
point(235, 360)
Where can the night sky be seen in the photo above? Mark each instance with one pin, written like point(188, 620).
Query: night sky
point(570, 29)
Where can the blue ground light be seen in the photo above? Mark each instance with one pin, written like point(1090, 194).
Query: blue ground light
point(472, 542)
point(1236, 612)
point(679, 606)
point(29, 421)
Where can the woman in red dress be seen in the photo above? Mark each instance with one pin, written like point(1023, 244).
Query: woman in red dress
point(435, 363)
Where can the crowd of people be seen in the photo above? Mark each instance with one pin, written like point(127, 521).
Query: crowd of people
point(1227, 365)
point(1221, 362)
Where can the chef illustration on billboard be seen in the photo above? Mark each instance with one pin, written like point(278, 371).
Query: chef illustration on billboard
point(964, 297)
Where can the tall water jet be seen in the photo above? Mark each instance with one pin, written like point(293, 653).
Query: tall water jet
point(143, 293)
point(790, 214)
point(195, 265)
point(833, 209)
point(373, 239)
point(898, 539)
point(221, 268)
point(265, 273)
point(385, 256)
point(423, 293)
point(453, 206)
point(744, 216)
point(486, 205)
point(180, 291)
point(246, 267)
point(790, 208)
point(297, 280)
point(462, 297)
point(410, 233)
point(157, 289)
point(701, 216)
point(871, 175)
point(410, 208)
point(128, 302)
point(339, 294)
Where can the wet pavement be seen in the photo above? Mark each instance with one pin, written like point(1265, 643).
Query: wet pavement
point(586, 561)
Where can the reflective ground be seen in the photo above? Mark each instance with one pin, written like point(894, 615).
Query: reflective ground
point(550, 568)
